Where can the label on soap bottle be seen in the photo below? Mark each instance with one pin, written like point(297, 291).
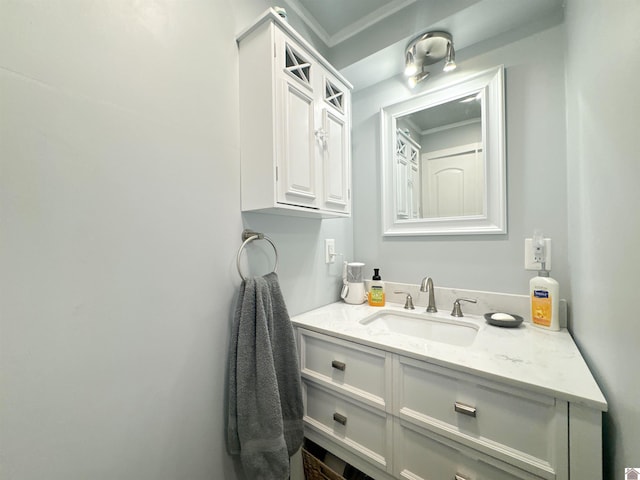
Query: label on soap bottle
point(541, 307)
point(376, 295)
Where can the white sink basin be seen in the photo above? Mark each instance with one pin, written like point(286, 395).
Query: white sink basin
point(422, 325)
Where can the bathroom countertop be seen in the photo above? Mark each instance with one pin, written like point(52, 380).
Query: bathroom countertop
point(527, 357)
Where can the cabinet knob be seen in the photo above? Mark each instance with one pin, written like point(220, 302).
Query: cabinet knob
point(464, 409)
point(321, 135)
point(339, 365)
point(341, 419)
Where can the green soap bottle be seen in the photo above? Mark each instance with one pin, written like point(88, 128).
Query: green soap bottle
point(376, 290)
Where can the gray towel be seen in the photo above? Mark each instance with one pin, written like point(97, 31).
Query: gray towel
point(265, 395)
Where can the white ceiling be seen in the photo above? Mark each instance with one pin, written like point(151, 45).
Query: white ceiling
point(334, 21)
point(450, 113)
point(366, 38)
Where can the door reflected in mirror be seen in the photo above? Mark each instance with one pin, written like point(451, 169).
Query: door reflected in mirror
point(443, 160)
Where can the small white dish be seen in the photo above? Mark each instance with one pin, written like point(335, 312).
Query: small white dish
point(501, 319)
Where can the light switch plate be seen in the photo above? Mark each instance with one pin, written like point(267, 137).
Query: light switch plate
point(529, 264)
point(329, 250)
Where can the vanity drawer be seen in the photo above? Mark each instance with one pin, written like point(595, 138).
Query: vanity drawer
point(347, 367)
point(522, 428)
point(364, 431)
point(424, 455)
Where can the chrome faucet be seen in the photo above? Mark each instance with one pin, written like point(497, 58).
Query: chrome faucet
point(427, 285)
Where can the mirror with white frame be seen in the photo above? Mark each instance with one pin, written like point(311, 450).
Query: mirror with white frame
point(443, 160)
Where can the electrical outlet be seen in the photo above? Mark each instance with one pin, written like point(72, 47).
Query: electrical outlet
point(329, 250)
point(529, 255)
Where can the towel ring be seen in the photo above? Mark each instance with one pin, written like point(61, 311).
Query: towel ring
point(249, 236)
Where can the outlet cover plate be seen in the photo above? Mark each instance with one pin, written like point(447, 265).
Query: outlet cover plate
point(529, 264)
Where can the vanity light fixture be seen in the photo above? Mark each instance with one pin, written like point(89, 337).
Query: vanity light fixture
point(427, 49)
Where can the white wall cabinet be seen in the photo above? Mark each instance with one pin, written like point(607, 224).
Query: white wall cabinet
point(396, 417)
point(408, 184)
point(295, 113)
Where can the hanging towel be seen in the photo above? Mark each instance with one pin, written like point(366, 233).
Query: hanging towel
point(265, 394)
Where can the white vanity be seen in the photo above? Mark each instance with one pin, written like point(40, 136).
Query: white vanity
point(513, 404)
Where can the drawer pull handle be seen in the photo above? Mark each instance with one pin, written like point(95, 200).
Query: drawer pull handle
point(465, 409)
point(341, 419)
point(459, 477)
point(339, 365)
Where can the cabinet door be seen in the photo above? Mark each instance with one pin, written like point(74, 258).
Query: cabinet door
point(297, 183)
point(525, 429)
point(414, 189)
point(364, 431)
point(413, 182)
point(357, 371)
point(423, 455)
point(402, 166)
point(296, 175)
point(335, 162)
point(333, 137)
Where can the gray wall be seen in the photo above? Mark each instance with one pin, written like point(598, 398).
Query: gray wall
point(119, 205)
point(452, 137)
point(604, 226)
point(536, 179)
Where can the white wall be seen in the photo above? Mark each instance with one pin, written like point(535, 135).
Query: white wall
point(604, 226)
point(536, 177)
point(119, 206)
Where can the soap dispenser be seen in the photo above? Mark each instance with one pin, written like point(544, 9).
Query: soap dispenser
point(376, 290)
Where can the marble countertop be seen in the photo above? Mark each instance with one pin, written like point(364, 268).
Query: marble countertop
point(527, 357)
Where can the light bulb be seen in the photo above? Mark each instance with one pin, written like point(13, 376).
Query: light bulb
point(410, 64)
point(410, 69)
point(413, 81)
point(450, 64)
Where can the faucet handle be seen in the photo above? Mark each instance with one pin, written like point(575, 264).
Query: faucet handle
point(408, 304)
point(457, 311)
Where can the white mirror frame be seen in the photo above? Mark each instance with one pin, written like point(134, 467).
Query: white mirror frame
point(494, 219)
